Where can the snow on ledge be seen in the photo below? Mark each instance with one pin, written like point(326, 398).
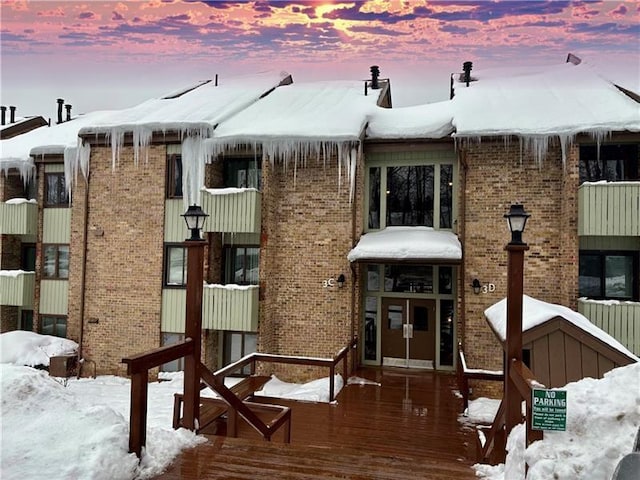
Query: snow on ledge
point(231, 286)
point(407, 243)
point(227, 191)
point(20, 201)
point(13, 273)
point(608, 302)
point(536, 312)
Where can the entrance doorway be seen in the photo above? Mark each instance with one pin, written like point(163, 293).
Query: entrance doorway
point(408, 332)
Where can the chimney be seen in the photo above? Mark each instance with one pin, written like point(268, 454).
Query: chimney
point(60, 103)
point(375, 74)
point(68, 108)
point(3, 114)
point(12, 115)
point(466, 68)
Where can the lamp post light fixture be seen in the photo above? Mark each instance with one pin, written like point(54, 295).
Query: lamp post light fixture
point(194, 217)
point(517, 220)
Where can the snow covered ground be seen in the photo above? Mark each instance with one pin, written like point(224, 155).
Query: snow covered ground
point(603, 417)
point(81, 431)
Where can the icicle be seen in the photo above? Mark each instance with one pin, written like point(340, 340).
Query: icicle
point(352, 174)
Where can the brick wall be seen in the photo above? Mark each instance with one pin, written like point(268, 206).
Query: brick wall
point(124, 257)
point(496, 176)
point(307, 231)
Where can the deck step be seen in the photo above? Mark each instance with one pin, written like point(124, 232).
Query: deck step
point(238, 458)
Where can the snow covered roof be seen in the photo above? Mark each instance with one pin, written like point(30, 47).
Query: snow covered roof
point(535, 103)
point(536, 312)
point(200, 108)
point(307, 112)
point(59, 139)
point(563, 99)
point(407, 244)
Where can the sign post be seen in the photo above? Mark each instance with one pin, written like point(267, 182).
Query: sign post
point(549, 409)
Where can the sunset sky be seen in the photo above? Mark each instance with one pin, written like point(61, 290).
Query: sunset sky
point(101, 55)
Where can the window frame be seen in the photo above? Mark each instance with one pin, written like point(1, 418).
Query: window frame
point(602, 257)
point(247, 160)
point(226, 354)
point(439, 184)
point(27, 250)
point(627, 154)
point(43, 265)
point(173, 154)
point(56, 319)
point(166, 266)
point(228, 255)
point(58, 202)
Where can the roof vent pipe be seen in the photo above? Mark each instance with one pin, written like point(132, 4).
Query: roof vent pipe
point(60, 103)
point(466, 68)
point(216, 84)
point(12, 114)
point(68, 108)
point(375, 74)
point(3, 114)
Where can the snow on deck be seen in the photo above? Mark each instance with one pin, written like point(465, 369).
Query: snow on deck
point(536, 312)
point(407, 243)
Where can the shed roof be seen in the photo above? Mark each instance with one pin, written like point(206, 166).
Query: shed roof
point(536, 312)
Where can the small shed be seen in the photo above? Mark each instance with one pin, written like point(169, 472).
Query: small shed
point(560, 345)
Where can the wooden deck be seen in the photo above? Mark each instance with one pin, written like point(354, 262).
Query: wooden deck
point(405, 429)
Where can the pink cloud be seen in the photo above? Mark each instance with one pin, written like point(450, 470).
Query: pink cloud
point(57, 12)
point(620, 11)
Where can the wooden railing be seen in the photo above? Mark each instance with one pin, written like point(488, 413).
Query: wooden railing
point(465, 374)
point(494, 448)
point(138, 367)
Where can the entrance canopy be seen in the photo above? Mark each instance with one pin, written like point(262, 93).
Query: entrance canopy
point(408, 245)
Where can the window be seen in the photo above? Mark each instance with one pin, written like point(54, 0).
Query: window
point(408, 278)
point(242, 265)
point(26, 320)
point(237, 345)
point(171, 339)
point(55, 190)
point(175, 266)
point(243, 173)
point(28, 257)
point(613, 163)
point(410, 195)
point(174, 171)
point(55, 325)
point(609, 275)
point(55, 264)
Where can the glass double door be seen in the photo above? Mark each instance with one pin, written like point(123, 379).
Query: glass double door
point(408, 332)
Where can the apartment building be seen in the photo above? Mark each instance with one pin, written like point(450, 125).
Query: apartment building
point(331, 214)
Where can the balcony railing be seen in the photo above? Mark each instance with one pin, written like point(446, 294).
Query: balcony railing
point(17, 288)
point(621, 320)
point(609, 209)
point(233, 210)
point(224, 307)
point(18, 218)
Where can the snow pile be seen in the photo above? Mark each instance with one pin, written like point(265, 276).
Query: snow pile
point(482, 411)
point(314, 391)
point(407, 243)
point(434, 120)
point(536, 312)
point(603, 417)
point(82, 431)
point(28, 348)
point(13, 274)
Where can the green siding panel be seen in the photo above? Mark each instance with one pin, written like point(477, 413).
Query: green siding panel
point(232, 212)
point(609, 209)
point(223, 308)
point(56, 225)
point(17, 289)
point(621, 320)
point(54, 296)
point(175, 230)
point(18, 219)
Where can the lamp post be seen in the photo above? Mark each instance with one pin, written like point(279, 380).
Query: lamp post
point(517, 220)
point(194, 217)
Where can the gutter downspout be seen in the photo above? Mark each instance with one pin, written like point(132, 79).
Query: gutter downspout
point(355, 359)
point(84, 270)
point(462, 159)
